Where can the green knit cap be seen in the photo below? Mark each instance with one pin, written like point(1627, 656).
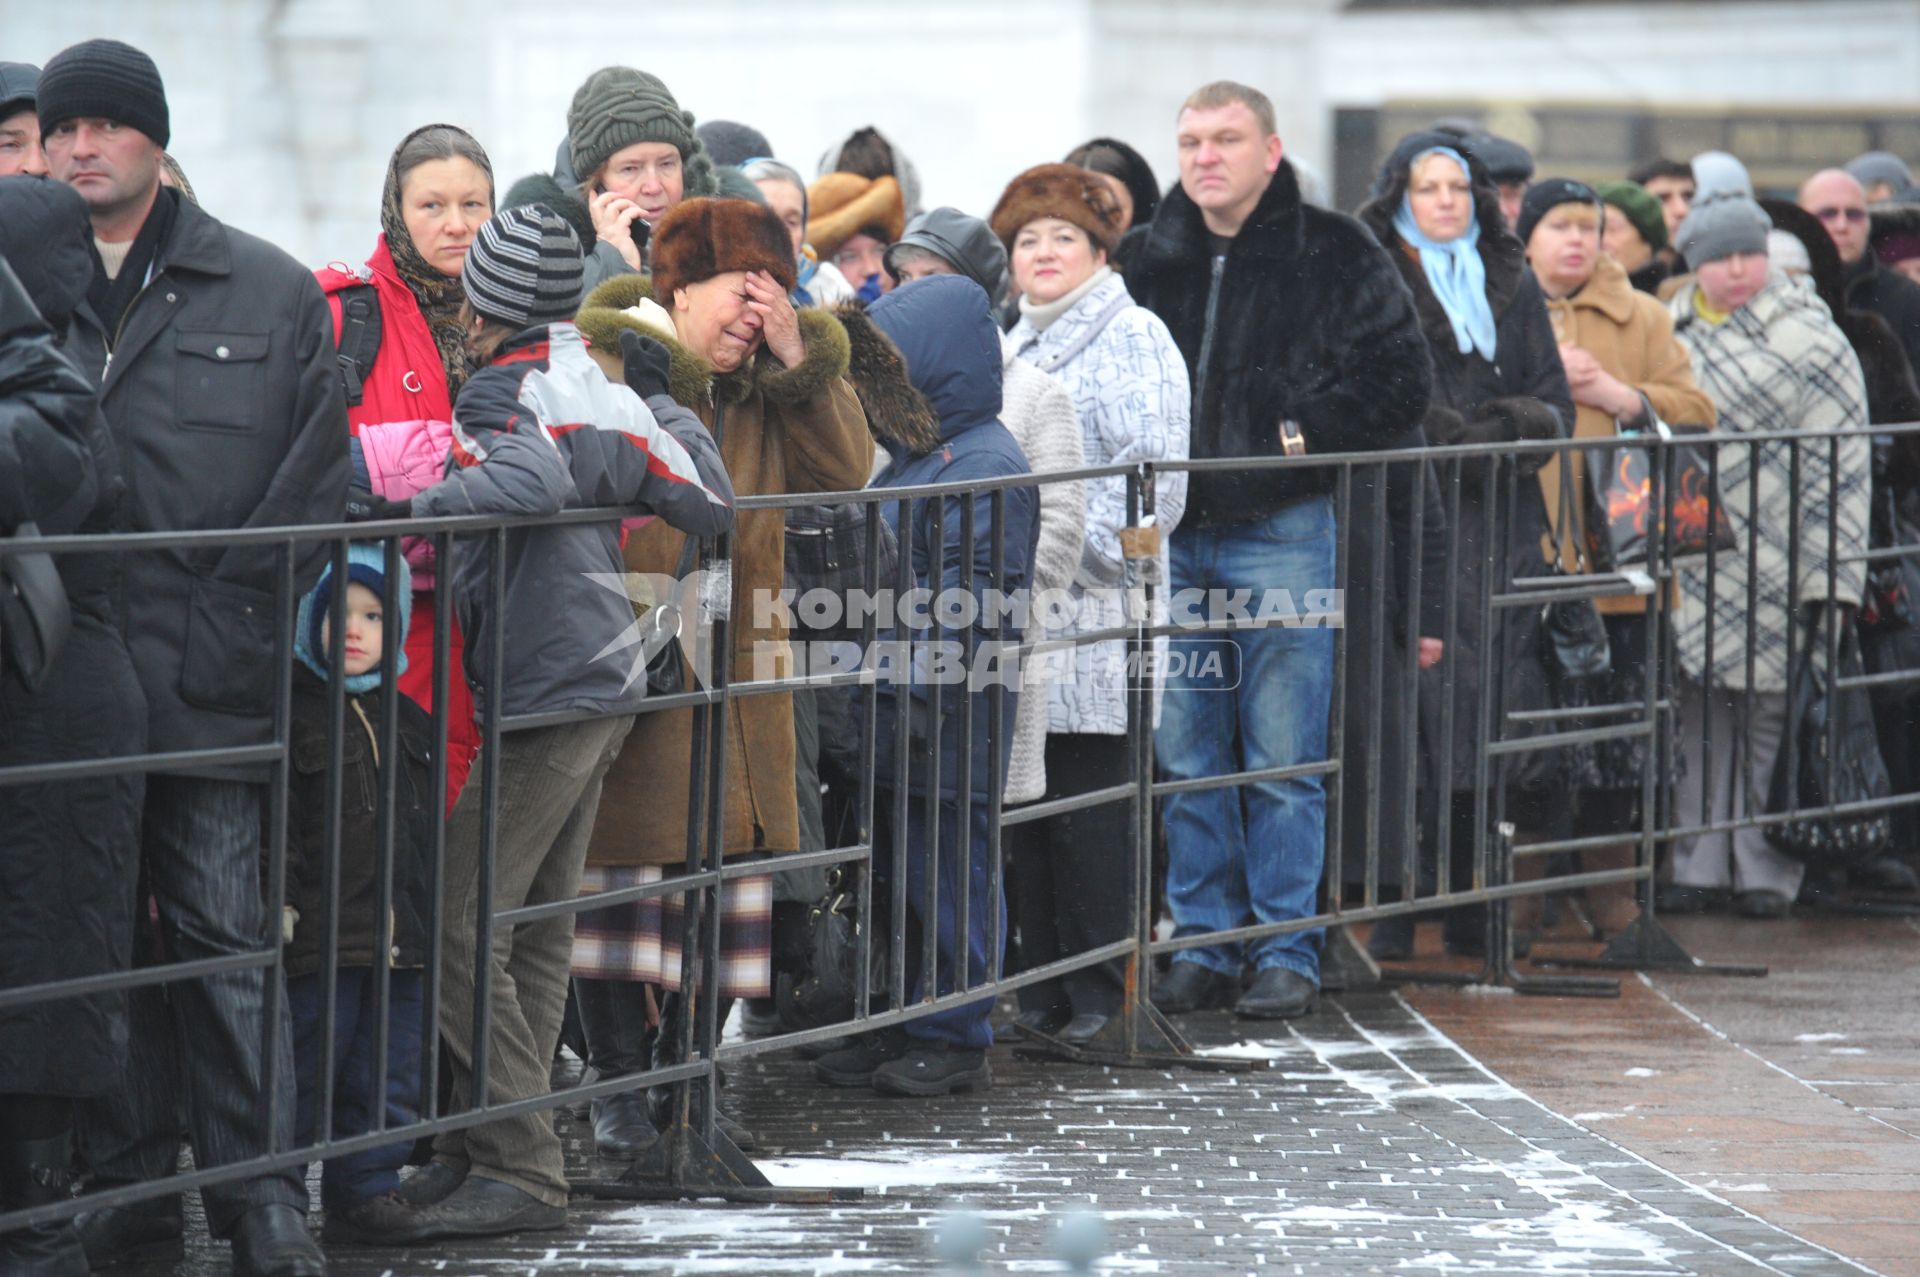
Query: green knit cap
point(619, 106)
point(1641, 209)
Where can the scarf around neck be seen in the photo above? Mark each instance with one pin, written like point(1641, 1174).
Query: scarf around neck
point(440, 297)
point(1454, 270)
point(1044, 315)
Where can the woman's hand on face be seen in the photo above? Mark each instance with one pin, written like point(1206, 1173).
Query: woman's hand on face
point(777, 318)
point(613, 222)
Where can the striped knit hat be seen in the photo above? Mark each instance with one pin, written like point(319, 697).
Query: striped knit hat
point(525, 268)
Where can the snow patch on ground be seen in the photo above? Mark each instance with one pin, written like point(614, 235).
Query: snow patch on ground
point(1819, 1037)
point(903, 1168)
point(1643, 1072)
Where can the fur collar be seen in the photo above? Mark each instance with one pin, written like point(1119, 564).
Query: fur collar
point(1179, 230)
point(693, 382)
point(1503, 256)
point(897, 412)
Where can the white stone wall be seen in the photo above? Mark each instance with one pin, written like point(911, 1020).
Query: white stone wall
point(285, 111)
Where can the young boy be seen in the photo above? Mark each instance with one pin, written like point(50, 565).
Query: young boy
point(357, 1191)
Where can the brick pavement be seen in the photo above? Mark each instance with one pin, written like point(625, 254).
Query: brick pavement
point(1371, 1143)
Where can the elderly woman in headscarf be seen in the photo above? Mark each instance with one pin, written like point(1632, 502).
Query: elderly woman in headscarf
point(1497, 379)
point(635, 155)
point(404, 358)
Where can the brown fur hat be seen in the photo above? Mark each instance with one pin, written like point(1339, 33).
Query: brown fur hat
point(701, 238)
point(1065, 191)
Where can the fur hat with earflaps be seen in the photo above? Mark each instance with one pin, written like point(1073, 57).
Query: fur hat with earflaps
point(699, 239)
point(1065, 191)
point(842, 205)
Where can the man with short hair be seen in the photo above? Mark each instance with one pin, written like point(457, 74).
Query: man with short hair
point(1300, 338)
point(1671, 183)
point(19, 123)
point(1510, 165)
point(1838, 200)
point(214, 356)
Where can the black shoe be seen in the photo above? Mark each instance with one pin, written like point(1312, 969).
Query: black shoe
point(1463, 931)
point(35, 1173)
point(1761, 904)
point(1083, 1028)
point(742, 1137)
point(759, 1017)
point(622, 1130)
point(1278, 994)
point(853, 1064)
point(385, 1220)
point(1678, 898)
point(1047, 1020)
point(272, 1241)
point(145, 1232)
point(934, 1068)
point(1391, 939)
point(1193, 986)
point(432, 1183)
point(483, 1207)
point(1886, 874)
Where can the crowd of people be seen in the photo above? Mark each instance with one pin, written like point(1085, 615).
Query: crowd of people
point(672, 318)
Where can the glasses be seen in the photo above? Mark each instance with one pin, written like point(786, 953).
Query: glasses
point(1855, 215)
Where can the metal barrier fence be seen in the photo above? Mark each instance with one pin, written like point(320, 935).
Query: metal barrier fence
point(1489, 502)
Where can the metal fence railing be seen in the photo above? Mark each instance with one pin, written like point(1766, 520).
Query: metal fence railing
point(1484, 506)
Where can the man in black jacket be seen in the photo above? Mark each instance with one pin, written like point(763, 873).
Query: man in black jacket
point(214, 356)
point(1838, 200)
point(1300, 339)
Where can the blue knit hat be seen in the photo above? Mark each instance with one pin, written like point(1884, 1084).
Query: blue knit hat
point(366, 565)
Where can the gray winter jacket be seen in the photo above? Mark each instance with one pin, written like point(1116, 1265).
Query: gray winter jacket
point(538, 431)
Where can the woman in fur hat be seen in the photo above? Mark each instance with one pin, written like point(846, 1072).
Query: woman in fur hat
point(1130, 389)
point(636, 155)
point(771, 384)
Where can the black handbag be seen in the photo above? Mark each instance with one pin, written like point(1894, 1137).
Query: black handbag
point(825, 987)
point(1575, 638)
point(1829, 757)
point(34, 614)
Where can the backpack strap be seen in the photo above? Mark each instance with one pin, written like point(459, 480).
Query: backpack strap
point(359, 338)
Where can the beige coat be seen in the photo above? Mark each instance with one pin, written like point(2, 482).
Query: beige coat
point(1631, 335)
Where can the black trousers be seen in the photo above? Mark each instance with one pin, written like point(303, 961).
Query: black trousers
point(1073, 878)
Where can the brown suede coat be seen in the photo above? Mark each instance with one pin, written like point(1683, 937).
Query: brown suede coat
point(1631, 335)
point(781, 430)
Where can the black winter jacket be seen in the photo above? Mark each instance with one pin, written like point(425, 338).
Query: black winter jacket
point(1306, 319)
point(1890, 295)
point(360, 782)
point(223, 398)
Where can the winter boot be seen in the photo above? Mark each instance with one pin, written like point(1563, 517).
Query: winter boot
point(34, 1173)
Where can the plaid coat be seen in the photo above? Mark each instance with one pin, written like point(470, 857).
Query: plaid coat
point(1778, 363)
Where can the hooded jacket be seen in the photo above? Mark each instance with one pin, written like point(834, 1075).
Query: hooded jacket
point(361, 767)
point(952, 350)
point(225, 404)
point(537, 431)
point(1303, 318)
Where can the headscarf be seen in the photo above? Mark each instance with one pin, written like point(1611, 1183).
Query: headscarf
point(1454, 269)
point(440, 296)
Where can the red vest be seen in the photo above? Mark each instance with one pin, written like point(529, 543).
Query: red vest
point(407, 382)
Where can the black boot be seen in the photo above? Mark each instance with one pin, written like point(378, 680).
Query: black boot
point(666, 1053)
point(34, 1173)
point(613, 1014)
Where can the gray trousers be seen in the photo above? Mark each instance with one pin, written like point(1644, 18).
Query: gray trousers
point(1733, 773)
point(550, 782)
point(200, 1041)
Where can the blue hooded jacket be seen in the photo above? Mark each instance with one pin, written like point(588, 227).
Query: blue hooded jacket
point(951, 346)
point(366, 565)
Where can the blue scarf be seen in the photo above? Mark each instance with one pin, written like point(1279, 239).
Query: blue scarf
point(1454, 270)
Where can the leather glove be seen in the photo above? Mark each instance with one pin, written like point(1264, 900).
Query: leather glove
point(645, 363)
point(364, 507)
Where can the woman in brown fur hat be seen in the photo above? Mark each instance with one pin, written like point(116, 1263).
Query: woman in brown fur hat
point(770, 383)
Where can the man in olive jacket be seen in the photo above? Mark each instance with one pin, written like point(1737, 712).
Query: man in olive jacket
point(1300, 339)
point(214, 356)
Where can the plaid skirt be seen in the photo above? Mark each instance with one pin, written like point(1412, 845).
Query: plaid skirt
point(640, 940)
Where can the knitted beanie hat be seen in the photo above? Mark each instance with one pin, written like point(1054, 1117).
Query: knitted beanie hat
point(1548, 194)
point(1638, 206)
point(1065, 191)
point(525, 268)
point(108, 80)
point(1720, 228)
point(732, 144)
point(1718, 173)
point(619, 106)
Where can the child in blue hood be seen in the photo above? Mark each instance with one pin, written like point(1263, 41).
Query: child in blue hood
point(951, 348)
point(357, 1190)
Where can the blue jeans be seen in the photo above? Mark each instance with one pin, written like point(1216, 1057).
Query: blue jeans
point(353, 1178)
point(1253, 853)
point(963, 1026)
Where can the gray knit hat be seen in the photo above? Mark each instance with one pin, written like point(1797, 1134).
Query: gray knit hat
point(525, 268)
point(1721, 227)
point(619, 106)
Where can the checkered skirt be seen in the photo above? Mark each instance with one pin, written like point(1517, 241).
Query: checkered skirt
point(640, 940)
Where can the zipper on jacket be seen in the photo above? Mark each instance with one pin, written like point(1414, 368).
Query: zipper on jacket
point(121, 327)
point(1206, 332)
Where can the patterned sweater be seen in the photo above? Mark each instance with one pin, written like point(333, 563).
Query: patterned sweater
point(1778, 363)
